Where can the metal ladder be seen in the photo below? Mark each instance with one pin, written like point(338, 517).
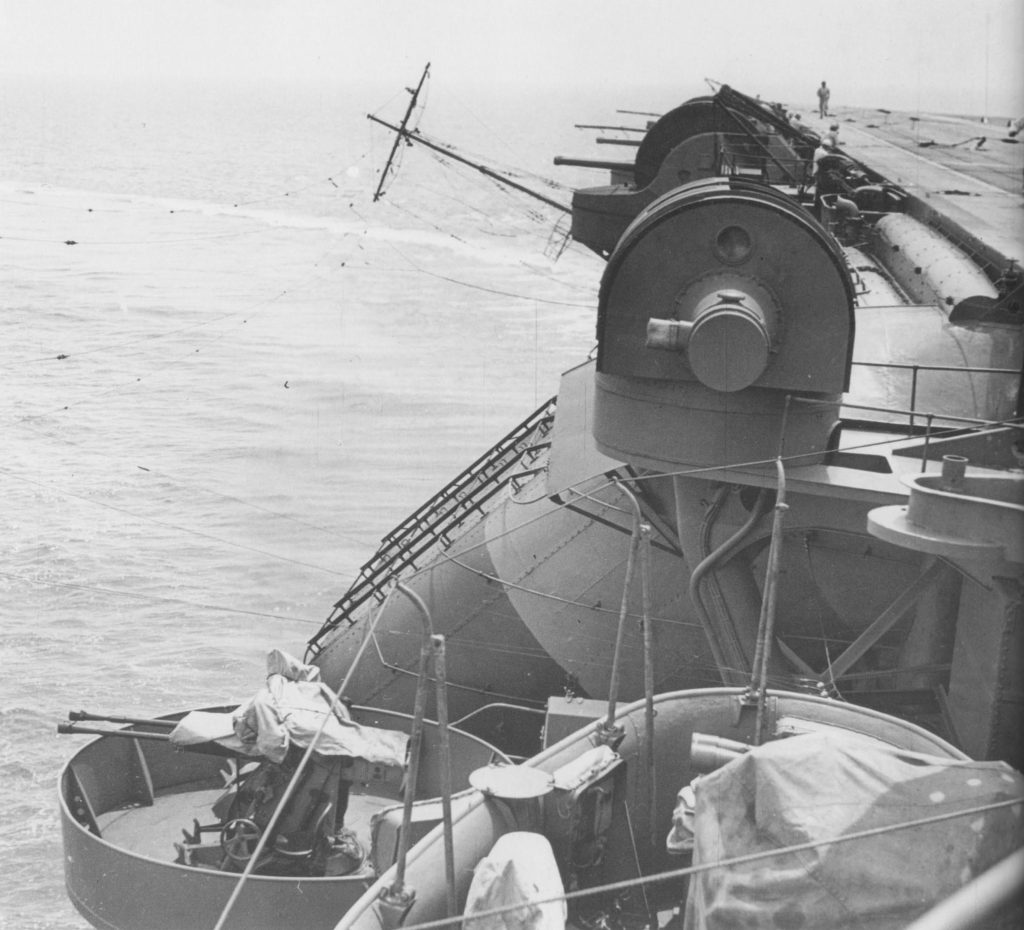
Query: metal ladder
point(433, 522)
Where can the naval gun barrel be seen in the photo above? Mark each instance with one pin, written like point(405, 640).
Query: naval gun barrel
point(593, 163)
point(67, 728)
point(617, 128)
point(73, 728)
point(78, 715)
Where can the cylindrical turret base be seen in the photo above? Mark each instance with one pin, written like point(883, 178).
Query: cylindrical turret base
point(664, 425)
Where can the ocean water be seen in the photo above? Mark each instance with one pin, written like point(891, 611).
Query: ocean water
point(227, 372)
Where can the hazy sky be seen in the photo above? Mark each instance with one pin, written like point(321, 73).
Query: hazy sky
point(952, 55)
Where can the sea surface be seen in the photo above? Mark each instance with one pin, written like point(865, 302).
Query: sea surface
point(227, 372)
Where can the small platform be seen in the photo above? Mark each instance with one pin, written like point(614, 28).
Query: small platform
point(152, 831)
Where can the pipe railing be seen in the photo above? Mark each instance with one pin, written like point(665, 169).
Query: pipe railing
point(916, 370)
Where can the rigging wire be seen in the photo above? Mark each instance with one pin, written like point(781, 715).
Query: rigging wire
point(508, 227)
point(712, 669)
point(270, 198)
point(250, 312)
point(328, 179)
point(455, 558)
point(420, 270)
point(583, 661)
point(445, 195)
point(568, 601)
point(452, 558)
point(680, 473)
point(482, 645)
point(824, 639)
point(479, 166)
point(149, 337)
point(503, 168)
point(491, 290)
point(156, 598)
point(192, 486)
point(63, 356)
point(759, 856)
point(546, 238)
point(427, 222)
point(167, 525)
point(470, 285)
point(136, 242)
point(784, 681)
point(472, 113)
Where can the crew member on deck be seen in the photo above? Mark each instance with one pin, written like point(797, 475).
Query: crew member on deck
point(823, 94)
point(819, 153)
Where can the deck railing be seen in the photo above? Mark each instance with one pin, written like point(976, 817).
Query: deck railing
point(915, 370)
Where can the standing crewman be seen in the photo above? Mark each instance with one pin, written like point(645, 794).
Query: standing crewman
point(823, 94)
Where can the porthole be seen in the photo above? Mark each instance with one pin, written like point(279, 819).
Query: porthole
point(733, 245)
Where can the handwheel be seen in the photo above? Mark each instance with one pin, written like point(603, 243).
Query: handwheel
point(238, 839)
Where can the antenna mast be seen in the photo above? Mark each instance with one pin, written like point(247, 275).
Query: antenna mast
point(401, 134)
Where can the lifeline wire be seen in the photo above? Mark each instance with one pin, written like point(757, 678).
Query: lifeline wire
point(333, 622)
point(631, 883)
point(154, 597)
point(175, 526)
point(251, 311)
point(192, 486)
point(683, 473)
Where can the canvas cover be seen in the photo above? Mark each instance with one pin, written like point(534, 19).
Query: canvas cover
point(288, 710)
point(817, 787)
point(519, 868)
